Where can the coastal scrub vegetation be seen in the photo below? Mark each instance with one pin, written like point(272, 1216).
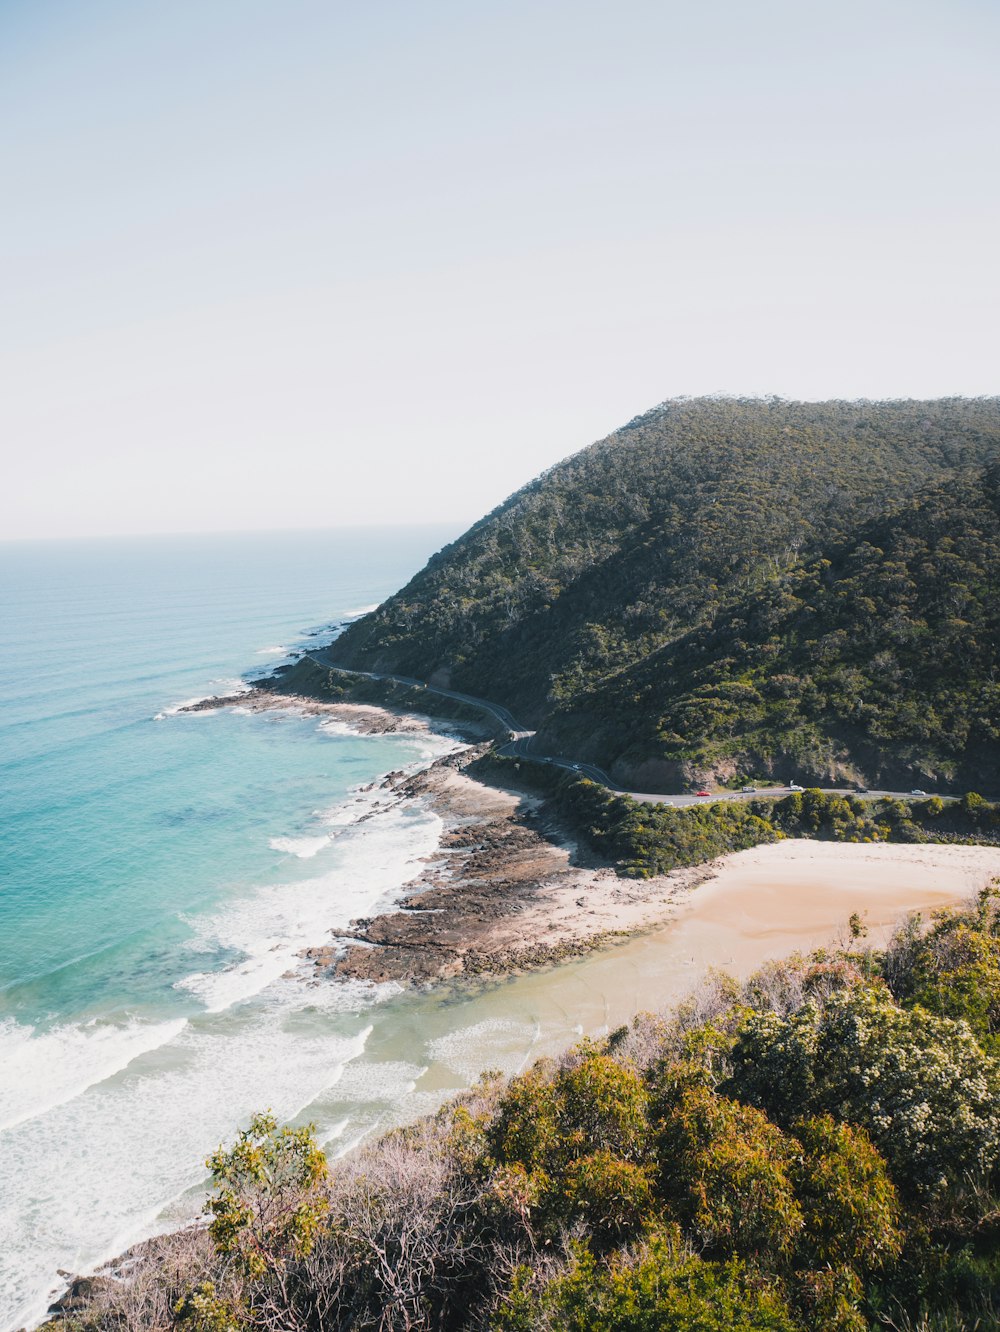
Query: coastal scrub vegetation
point(818, 1147)
point(732, 588)
point(644, 839)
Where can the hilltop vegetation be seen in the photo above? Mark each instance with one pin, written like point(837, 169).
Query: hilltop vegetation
point(728, 587)
point(817, 1148)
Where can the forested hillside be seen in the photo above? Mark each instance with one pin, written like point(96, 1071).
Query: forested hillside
point(878, 660)
point(700, 528)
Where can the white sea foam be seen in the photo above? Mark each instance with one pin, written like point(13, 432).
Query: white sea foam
point(229, 688)
point(93, 1176)
point(493, 1043)
point(174, 708)
point(118, 1135)
point(40, 1070)
point(362, 610)
point(303, 847)
point(270, 927)
point(358, 808)
point(278, 651)
point(229, 684)
point(334, 1132)
point(333, 726)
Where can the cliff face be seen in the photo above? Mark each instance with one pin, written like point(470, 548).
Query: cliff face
point(728, 587)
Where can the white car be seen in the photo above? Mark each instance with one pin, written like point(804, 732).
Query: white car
point(794, 786)
point(917, 791)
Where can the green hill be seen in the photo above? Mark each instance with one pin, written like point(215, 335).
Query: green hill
point(602, 600)
point(877, 660)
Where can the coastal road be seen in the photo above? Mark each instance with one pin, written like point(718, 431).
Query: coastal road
point(521, 740)
point(322, 657)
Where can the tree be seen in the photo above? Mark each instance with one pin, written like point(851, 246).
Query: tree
point(848, 1202)
point(268, 1204)
point(663, 1288)
point(724, 1172)
point(920, 1085)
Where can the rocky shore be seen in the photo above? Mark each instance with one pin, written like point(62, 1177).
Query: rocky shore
point(365, 718)
point(507, 890)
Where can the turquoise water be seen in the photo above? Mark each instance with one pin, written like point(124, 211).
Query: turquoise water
point(161, 871)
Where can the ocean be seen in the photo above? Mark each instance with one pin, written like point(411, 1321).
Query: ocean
point(159, 871)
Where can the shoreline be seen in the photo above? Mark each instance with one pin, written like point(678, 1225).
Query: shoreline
point(508, 891)
point(505, 891)
point(506, 894)
point(510, 935)
point(362, 718)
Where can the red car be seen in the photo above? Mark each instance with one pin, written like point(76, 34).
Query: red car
point(705, 793)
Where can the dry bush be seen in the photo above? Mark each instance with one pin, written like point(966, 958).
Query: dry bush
point(139, 1291)
point(402, 1244)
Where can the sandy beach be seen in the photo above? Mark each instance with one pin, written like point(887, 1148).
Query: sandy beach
point(759, 905)
point(798, 894)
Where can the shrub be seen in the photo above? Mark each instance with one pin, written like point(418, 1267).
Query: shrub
point(268, 1206)
point(954, 969)
point(849, 1204)
point(724, 1172)
point(662, 1290)
point(612, 1197)
point(919, 1084)
point(600, 1104)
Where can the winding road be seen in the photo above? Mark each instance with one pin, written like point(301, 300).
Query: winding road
point(519, 745)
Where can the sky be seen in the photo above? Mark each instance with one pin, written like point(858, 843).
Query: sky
point(314, 263)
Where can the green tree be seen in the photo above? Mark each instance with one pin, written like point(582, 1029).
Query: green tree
point(849, 1203)
point(600, 1105)
point(613, 1197)
point(919, 1084)
point(202, 1310)
point(268, 1203)
point(954, 968)
point(663, 1289)
point(724, 1172)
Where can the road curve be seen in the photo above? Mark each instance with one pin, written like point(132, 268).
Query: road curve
point(520, 745)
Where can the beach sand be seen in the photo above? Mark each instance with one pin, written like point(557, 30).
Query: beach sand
point(507, 892)
point(798, 895)
point(760, 905)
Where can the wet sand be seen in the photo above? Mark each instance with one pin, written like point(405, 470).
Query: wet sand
point(508, 891)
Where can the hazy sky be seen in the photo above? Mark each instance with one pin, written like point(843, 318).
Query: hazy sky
point(304, 263)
